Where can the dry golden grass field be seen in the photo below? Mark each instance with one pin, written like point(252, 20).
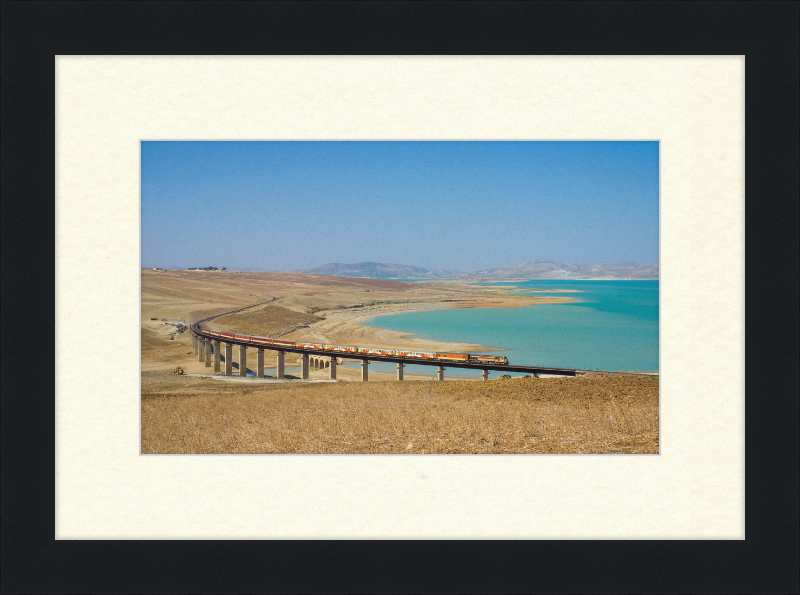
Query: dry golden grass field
point(547, 415)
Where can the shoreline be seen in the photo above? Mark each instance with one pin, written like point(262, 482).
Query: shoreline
point(339, 311)
point(348, 328)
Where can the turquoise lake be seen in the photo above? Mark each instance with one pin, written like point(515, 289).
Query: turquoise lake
point(614, 326)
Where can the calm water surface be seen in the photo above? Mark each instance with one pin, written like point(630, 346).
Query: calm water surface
point(613, 327)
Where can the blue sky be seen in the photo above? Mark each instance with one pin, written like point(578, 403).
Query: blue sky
point(281, 205)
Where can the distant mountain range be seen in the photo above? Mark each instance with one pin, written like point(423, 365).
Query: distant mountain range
point(379, 270)
point(539, 269)
point(532, 269)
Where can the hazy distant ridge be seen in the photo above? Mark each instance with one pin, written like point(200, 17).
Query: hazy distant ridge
point(532, 269)
point(378, 270)
point(545, 269)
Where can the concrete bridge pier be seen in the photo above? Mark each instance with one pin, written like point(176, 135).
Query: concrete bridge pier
point(440, 373)
point(194, 343)
point(200, 349)
point(333, 368)
point(242, 360)
point(207, 343)
point(260, 363)
point(486, 374)
point(279, 364)
point(399, 371)
point(364, 370)
point(228, 359)
point(304, 366)
point(216, 357)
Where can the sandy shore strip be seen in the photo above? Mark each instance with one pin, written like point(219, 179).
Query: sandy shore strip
point(509, 288)
point(346, 327)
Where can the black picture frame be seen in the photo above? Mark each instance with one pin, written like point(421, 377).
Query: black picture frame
point(33, 33)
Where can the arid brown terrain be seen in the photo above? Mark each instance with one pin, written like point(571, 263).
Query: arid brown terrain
point(195, 414)
point(523, 415)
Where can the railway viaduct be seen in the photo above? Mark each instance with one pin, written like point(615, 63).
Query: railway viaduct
point(208, 349)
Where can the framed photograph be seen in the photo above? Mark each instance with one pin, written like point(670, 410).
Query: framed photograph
point(109, 97)
point(325, 336)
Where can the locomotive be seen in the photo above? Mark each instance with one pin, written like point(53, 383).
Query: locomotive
point(345, 349)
